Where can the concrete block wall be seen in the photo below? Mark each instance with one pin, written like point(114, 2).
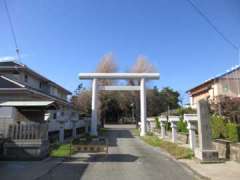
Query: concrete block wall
point(7, 116)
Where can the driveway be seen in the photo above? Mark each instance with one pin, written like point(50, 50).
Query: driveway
point(129, 159)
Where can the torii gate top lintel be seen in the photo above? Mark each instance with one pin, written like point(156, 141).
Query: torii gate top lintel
point(119, 76)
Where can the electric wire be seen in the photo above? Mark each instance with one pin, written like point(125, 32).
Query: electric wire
point(214, 27)
point(12, 29)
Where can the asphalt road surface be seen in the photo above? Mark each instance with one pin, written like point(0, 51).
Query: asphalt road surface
point(129, 159)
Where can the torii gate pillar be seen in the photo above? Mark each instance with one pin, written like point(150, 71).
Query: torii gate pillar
point(94, 120)
point(143, 107)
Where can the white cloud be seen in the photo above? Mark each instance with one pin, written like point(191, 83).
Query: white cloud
point(7, 58)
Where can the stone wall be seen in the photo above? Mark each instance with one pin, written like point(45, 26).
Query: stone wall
point(223, 148)
point(235, 151)
point(182, 137)
point(226, 149)
point(25, 150)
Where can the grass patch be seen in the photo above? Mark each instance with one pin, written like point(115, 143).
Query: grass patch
point(152, 140)
point(103, 131)
point(62, 150)
point(175, 150)
point(68, 149)
point(135, 132)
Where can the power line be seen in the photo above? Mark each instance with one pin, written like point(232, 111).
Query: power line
point(207, 19)
point(12, 29)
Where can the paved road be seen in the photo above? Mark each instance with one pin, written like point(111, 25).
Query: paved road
point(129, 159)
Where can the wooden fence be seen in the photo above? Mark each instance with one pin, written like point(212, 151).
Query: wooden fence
point(28, 131)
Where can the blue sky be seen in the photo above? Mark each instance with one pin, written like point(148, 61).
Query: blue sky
point(61, 38)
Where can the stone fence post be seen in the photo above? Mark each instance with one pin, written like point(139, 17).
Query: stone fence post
point(74, 129)
point(61, 131)
point(163, 122)
point(191, 120)
point(151, 124)
point(174, 120)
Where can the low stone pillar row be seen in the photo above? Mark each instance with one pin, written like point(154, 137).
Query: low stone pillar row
point(163, 122)
point(174, 120)
point(191, 120)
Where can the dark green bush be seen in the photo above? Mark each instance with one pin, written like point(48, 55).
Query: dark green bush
point(182, 126)
point(157, 123)
point(218, 127)
point(181, 111)
point(232, 131)
point(168, 126)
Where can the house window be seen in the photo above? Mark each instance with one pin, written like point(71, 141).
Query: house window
point(62, 113)
point(225, 88)
point(26, 78)
point(54, 115)
point(40, 85)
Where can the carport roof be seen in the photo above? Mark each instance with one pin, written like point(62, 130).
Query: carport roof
point(26, 103)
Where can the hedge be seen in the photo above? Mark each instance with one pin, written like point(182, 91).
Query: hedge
point(221, 129)
point(182, 126)
point(233, 132)
point(218, 127)
point(157, 123)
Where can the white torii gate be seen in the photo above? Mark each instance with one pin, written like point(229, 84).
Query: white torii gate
point(138, 76)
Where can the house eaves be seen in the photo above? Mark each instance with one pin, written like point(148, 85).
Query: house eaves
point(211, 80)
point(22, 67)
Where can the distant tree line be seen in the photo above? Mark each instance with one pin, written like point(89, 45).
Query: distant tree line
point(114, 105)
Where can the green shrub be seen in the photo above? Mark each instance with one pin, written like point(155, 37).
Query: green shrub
point(218, 127)
point(182, 126)
point(181, 111)
point(232, 132)
point(157, 123)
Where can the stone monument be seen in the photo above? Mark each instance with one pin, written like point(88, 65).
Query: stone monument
point(205, 152)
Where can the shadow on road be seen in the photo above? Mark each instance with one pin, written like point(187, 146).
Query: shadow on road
point(112, 158)
point(114, 134)
point(66, 171)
